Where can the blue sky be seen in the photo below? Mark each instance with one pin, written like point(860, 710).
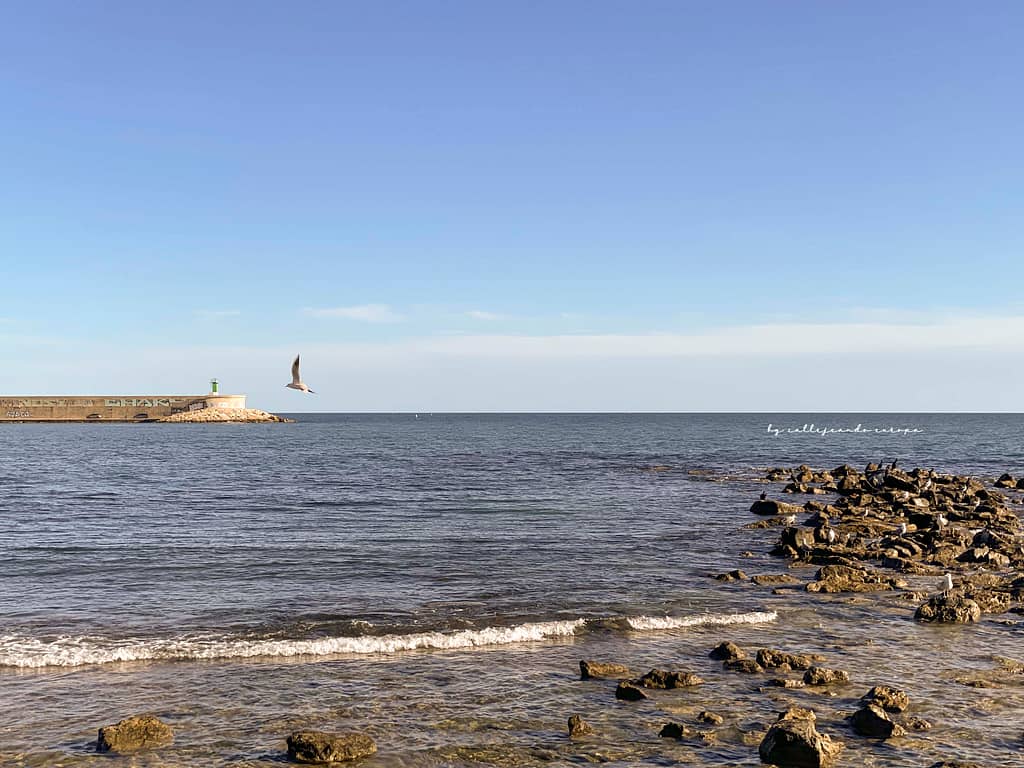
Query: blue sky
point(515, 196)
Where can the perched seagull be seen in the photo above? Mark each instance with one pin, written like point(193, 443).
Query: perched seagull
point(831, 536)
point(903, 529)
point(789, 519)
point(297, 380)
point(946, 585)
point(941, 521)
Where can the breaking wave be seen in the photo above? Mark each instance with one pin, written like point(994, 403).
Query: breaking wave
point(68, 651)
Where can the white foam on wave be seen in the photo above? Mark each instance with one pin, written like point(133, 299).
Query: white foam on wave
point(68, 651)
point(679, 622)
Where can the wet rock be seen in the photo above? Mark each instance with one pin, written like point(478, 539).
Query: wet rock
point(917, 724)
point(825, 676)
point(888, 698)
point(771, 658)
point(578, 726)
point(134, 733)
point(768, 579)
point(600, 669)
point(953, 764)
point(871, 721)
point(736, 575)
point(674, 731)
point(1006, 481)
point(949, 609)
point(711, 718)
point(318, 747)
point(659, 678)
point(727, 651)
point(627, 691)
point(843, 578)
point(786, 682)
point(794, 742)
point(768, 507)
point(747, 666)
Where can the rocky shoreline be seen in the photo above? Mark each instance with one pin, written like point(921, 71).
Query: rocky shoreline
point(224, 416)
point(873, 536)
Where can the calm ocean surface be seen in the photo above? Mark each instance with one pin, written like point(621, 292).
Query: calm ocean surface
point(434, 581)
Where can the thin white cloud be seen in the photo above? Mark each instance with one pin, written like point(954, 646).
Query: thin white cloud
point(479, 314)
point(366, 313)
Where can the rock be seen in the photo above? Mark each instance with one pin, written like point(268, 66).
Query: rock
point(736, 575)
point(917, 724)
point(769, 507)
point(628, 691)
point(785, 682)
point(223, 415)
point(727, 651)
point(953, 764)
point(599, 669)
point(768, 579)
point(793, 742)
point(659, 678)
point(825, 676)
point(319, 747)
point(134, 733)
point(710, 717)
point(1006, 481)
point(578, 726)
point(770, 658)
point(888, 698)
point(949, 609)
point(674, 731)
point(871, 721)
point(844, 578)
point(747, 666)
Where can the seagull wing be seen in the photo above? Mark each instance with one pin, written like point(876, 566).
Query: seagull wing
point(295, 371)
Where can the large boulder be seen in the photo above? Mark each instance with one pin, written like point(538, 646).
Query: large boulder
point(794, 742)
point(627, 691)
point(871, 721)
point(599, 669)
point(949, 609)
point(317, 747)
point(134, 733)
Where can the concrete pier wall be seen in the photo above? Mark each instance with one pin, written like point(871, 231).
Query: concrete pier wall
point(105, 408)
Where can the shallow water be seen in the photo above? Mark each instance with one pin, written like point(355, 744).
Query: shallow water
point(244, 581)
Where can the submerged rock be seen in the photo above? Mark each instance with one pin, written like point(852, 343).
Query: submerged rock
point(578, 726)
point(949, 609)
point(674, 731)
point(794, 742)
point(318, 747)
point(134, 733)
point(769, 579)
point(627, 691)
point(769, 507)
point(736, 575)
point(747, 666)
point(871, 721)
point(727, 651)
point(771, 658)
point(600, 669)
point(711, 718)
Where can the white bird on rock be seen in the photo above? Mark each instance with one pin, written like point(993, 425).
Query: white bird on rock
point(831, 535)
point(903, 529)
point(946, 585)
point(941, 521)
point(297, 380)
point(789, 519)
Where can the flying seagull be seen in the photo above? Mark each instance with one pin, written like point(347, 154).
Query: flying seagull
point(297, 380)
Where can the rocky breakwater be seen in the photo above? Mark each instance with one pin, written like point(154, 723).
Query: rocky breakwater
point(885, 526)
point(224, 416)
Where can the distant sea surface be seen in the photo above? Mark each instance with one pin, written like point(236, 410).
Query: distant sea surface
point(431, 579)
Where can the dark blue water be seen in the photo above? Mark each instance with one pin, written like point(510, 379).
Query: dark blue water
point(347, 535)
